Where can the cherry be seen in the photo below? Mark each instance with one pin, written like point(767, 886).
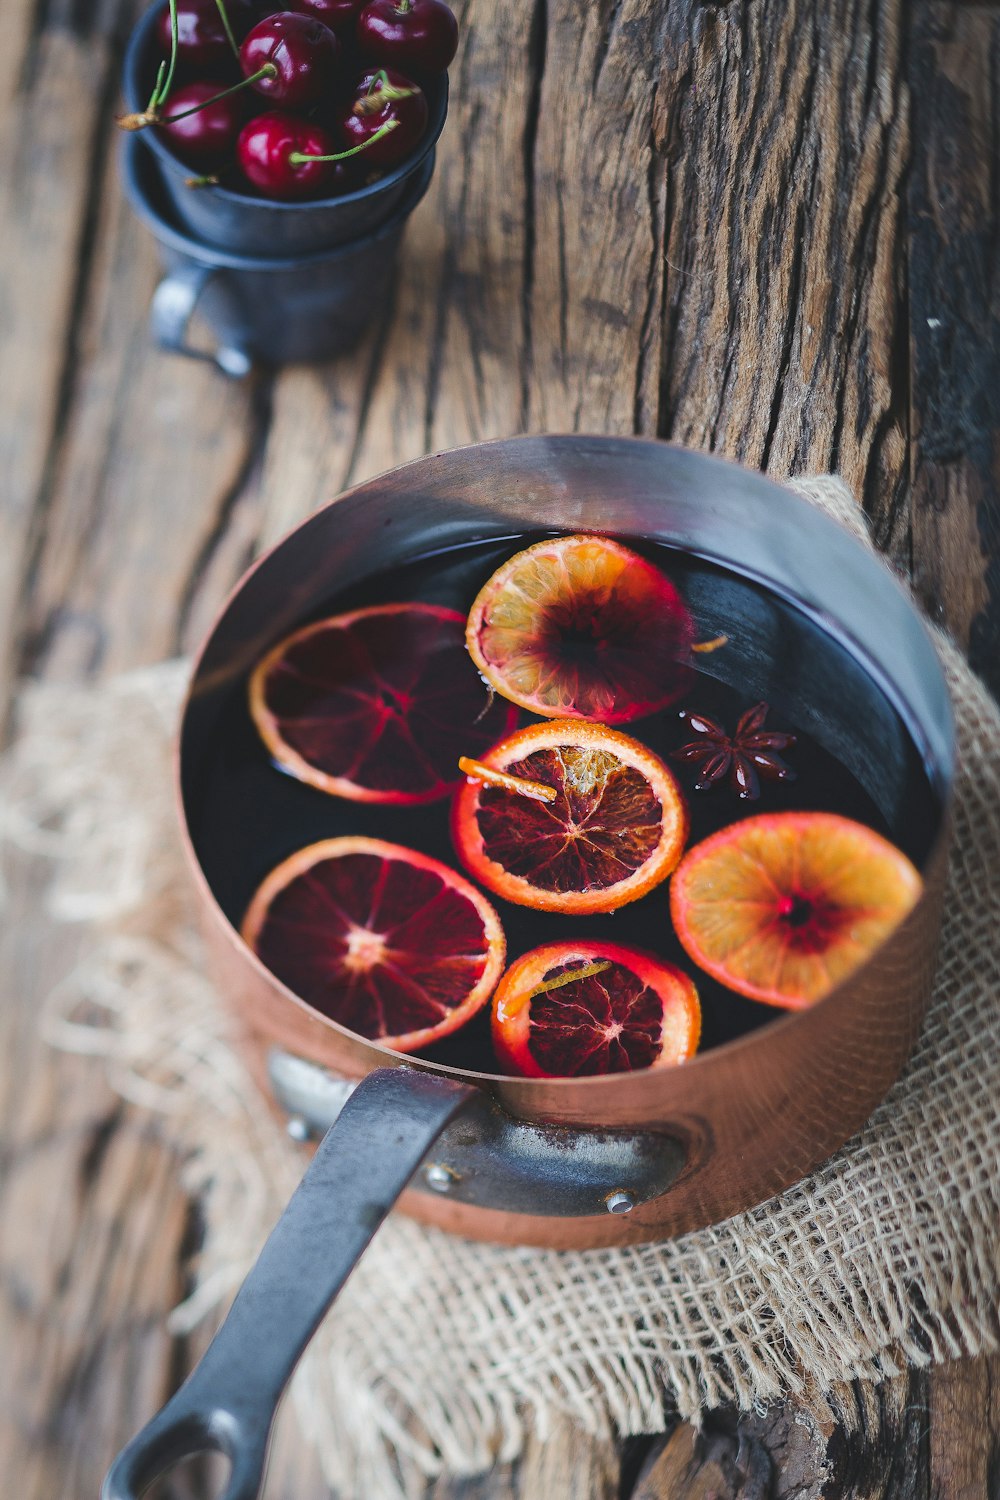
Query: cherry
point(418, 35)
point(265, 152)
point(200, 127)
point(339, 15)
point(292, 59)
point(202, 42)
point(385, 99)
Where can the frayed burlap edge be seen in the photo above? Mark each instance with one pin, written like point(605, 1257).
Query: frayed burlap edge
point(440, 1351)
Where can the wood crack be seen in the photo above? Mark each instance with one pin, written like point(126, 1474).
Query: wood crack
point(608, 13)
point(653, 312)
point(788, 335)
point(258, 425)
point(536, 67)
point(69, 370)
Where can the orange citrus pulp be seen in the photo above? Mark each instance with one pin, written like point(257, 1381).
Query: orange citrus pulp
point(582, 627)
point(369, 705)
point(784, 906)
point(586, 1008)
point(389, 943)
point(615, 829)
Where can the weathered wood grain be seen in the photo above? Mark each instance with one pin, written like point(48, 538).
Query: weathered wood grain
point(594, 259)
point(561, 1463)
point(774, 1456)
point(56, 84)
point(881, 1453)
point(954, 294)
point(785, 130)
point(448, 364)
point(653, 215)
point(963, 1430)
point(92, 1228)
point(146, 481)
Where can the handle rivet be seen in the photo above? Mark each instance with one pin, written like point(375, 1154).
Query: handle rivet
point(439, 1177)
point(297, 1127)
point(620, 1202)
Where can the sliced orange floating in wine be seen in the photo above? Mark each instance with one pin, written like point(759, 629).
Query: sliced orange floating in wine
point(390, 943)
point(615, 828)
point(574, 1010)
point(582, 627)
point(783, 907)
point(370, 705)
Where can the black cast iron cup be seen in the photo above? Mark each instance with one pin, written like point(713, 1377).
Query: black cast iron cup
point(271, 310)
point(250, 225)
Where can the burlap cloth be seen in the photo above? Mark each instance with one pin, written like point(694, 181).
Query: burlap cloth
point(441, 1351)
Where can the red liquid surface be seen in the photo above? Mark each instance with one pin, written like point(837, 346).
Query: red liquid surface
point(247, 815)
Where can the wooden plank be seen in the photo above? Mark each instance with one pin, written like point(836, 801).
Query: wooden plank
point(770, 1457)
point(762, 146)
point(595, 196)
point(785, 129)
point(56, 87)
point(446, 366)
point(801, 1450)
point(119, 464)
point(963, 1419)
point(147, 486)
point(954, 260)
point(91, 1226)
point(560, 1463)
point(881, 1452)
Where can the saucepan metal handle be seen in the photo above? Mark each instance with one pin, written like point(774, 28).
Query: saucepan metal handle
point(172, 307)
point(362, 1165)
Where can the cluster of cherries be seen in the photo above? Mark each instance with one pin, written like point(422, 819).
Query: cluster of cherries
point(342, 79)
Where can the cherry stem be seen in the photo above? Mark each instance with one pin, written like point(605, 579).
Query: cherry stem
point(220, 6)
point(378, 98)
point(152, 115)
point(267, 71)
point(712, 645)
point(296, 158)
point(161, 91)
point(160, 75)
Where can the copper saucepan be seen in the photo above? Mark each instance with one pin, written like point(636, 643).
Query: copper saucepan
point(565, 1162)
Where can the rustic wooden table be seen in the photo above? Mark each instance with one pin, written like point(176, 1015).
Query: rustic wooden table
point(766, 229)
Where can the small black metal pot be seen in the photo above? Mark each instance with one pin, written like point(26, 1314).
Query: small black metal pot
point(271, 311)
point(252, 226)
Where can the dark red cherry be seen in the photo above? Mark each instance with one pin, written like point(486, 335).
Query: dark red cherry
point(339, 15)
point(266, 146)
point(204, 138)
point(419, 36)
point(201, 37)
point(295, 57)
point(388, 105)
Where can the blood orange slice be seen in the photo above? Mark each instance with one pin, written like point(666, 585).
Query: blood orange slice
point(783, 907)
point(390, 943)
point(573, 1010)
point(369, 705)
point(615, 828)
point(582, 627)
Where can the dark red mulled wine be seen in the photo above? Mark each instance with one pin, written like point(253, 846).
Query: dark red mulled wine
point(247, 815)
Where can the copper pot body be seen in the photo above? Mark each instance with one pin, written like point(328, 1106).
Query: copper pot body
point(758, 1113)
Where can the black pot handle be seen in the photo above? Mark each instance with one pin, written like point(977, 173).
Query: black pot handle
point(227, 1403)
point(174, 301)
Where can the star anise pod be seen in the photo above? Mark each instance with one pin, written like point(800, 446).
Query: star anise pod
point(746, 755)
